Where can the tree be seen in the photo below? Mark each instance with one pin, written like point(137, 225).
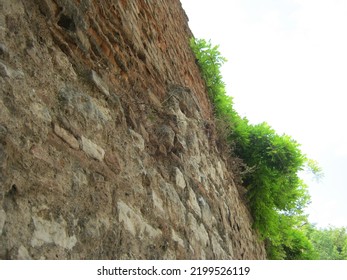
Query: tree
point(329, 243)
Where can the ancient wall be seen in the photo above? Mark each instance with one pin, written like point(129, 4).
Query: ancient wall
point(107, 146)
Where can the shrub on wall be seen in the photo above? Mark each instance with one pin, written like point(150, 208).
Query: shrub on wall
point(275, 193)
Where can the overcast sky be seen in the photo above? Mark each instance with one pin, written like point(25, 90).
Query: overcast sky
point(287, 65)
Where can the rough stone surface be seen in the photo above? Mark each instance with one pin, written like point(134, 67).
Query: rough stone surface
point(104, 147)
point(179, 179)
point(99, 83)
point(135, 224)
point(2, 220)
point(91, 149)
point(23, 253)
point(138, 141)
point(51, 232)
point(67, 137)
point(4, 71)
point(193, 203)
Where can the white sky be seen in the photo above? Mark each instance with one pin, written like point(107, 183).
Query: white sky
point(287, 65)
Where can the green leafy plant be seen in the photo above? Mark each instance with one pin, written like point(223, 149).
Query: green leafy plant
point(313, 167)
point(276, 195)
point(329, 243)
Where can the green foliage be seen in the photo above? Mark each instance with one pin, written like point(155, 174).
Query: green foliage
point(293, 243)
point(313, 167)
point(275, 193)
point(210, 60)
point(329, 243)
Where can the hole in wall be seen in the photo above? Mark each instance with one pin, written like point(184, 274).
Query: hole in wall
point(13, 190)
point(10, 198)
point(67, 23)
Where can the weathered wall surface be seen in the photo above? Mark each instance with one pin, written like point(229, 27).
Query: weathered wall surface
point(107, 146)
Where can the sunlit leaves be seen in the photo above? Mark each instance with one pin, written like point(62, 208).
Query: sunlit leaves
point(329, 243)
point(313, 167)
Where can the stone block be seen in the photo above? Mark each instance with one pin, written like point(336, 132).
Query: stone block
point(176, 238)
point(42, 154)
point(135, 224)
point(79, 180)
point(176, 209)
point(48, 232)
point(23, 253)
point(4, 51)
point(80, 106)
point(41, 112)
point(139, 142)
point(91, 149)
point(197, 232)
point(181, 144)
point(67, 137)
point(179, 179)
point(158, 205)
point(207, 216)
point(62, 62)
point(100, 84)
point(7, 72)
point(219, 169)
point(112, 162)
point(154, 99)
point(166, 136)
point(218, 251)
point(95, 226)
point(182, 123)
point(193, 203)
point(47, 8)
point(4, 71)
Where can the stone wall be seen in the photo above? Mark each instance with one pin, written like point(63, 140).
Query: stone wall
point(107, 146)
